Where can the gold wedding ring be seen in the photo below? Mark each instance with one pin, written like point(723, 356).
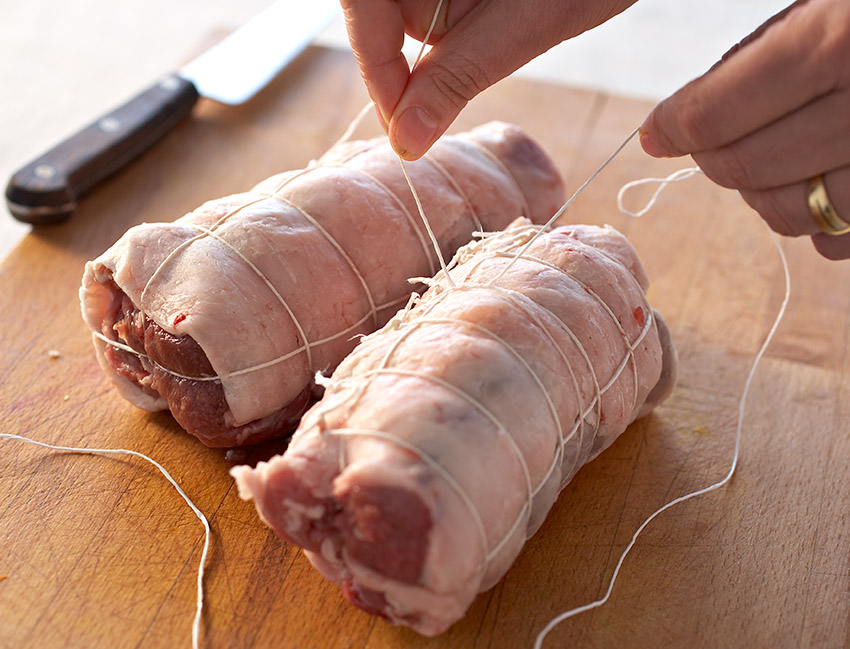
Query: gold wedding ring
point(823, 211)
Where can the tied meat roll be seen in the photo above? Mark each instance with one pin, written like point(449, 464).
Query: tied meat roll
point(442, 440)
point(225, 315)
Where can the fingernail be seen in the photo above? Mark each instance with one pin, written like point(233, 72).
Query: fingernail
point(650, 145)
point(414, 131)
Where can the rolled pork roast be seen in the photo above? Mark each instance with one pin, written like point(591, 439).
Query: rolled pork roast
point(443, 439)
point(225, 315)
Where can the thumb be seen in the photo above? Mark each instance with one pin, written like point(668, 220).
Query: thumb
point(435, 95)
point(489, 43)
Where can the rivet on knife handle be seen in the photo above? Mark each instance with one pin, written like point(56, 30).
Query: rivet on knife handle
point(46, 190)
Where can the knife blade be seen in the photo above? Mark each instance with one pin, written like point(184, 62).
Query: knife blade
point(45, 191)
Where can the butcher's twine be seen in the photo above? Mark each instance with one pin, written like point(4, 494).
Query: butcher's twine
point(678, 176)
point(196, 624)
point(404, 166)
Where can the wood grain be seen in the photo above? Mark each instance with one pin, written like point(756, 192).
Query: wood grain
point(100, 551)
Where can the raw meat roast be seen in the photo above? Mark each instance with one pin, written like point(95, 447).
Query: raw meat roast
point(225, 315)
point(443, 439)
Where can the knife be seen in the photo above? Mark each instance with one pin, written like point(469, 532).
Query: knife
point(45, 191)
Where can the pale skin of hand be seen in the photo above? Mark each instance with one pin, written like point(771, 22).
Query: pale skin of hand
point(476, 43)
point(773, 114)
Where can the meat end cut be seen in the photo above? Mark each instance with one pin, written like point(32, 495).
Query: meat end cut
point(443, 439)
point(225, 315)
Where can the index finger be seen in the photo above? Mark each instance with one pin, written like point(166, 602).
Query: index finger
point(376, 33)
point(767, 78)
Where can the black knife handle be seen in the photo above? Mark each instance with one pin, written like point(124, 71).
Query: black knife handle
point(46, 190)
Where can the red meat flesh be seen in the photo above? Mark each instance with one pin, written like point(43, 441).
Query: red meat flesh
point(386, 529)
point(199, 406)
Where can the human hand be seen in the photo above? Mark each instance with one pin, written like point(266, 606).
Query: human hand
point(476, 43)
point(773, 114)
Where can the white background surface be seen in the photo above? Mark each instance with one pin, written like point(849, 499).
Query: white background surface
point(648, 52)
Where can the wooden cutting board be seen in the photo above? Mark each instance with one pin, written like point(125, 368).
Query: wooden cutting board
point(101, 551)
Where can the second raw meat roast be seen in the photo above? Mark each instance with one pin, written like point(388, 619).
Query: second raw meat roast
point(443, 440)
